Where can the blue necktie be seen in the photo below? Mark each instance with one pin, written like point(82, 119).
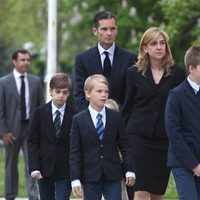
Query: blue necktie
point(100, 126)
point(57, 123)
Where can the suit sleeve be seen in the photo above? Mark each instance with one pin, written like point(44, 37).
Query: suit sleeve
point(3, 125)
point(75, 151)
point(40, 94)
point(34, 143)
point(125, 147)
point(129, 95)
point(174, 128)
point(80, 76)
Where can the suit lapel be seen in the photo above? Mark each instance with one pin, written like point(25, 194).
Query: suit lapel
point(30, 88)
point(96, 65)
point(190, 94)
point(65, 122)
point(91, 126)
point(13, 86)
point(49, 119)
point(117, 63)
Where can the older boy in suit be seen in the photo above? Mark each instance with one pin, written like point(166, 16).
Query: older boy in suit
point(183, 129)
point(96, 136)
point(48, 142)
point(20, 94)
point(106, 58)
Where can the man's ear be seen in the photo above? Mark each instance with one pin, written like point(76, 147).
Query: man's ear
point(94, 29)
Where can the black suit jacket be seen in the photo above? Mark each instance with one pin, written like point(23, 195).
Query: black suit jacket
point(144, 105)
point(88, 63)
point(46, 152)
point(89, 157)
point(183, 127)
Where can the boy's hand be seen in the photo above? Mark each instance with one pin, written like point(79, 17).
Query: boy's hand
point(130, 181)
point(77, 191)
point(36, 175)
point(196, 170)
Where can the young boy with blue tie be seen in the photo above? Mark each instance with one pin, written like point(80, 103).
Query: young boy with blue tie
point(48, 142)
point(183, 129)
point(96, 137)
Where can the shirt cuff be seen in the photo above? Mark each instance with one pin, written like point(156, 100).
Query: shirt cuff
point(35, 172)
point(75, 183)
point(130, 174)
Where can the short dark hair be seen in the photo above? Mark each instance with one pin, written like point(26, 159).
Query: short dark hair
point(22, 51)
point(60, 81)
point(103, 15)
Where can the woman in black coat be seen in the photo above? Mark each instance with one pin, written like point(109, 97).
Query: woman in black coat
point(148, 85)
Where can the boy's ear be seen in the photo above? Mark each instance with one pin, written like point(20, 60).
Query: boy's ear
point(190, 68)
point(87, 94)
point(50, 91)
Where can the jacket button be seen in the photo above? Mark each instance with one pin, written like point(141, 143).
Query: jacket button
point(101, 156)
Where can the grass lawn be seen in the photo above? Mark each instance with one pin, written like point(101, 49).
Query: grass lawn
point(170, 194)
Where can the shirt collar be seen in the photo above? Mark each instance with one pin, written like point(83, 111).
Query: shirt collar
point(193, 84)
point(109, 50)
point(94, 113)
point(61, 109)
point(17, 74)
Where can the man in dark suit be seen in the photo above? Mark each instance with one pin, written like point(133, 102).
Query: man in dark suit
point(183, 129)
point(20, 94)
point(96, 61)
point(48, 147)
point(97, 136)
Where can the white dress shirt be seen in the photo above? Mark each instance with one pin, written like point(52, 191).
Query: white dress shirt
point(17, 76)
point(110, 51)
point(193, 85)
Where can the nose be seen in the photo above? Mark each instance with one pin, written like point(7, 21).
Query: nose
point(109, 31)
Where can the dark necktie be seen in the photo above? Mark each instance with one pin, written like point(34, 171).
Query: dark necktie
point(106, 66)
point(23, 100)
point(100, 126)
point(57, 123)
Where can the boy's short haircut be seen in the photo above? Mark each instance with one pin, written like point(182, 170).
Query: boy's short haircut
point(60, 81)
point(112, 103)
point(91, 80)
point(192, 57)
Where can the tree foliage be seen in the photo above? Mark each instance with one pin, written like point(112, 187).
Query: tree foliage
point(26, 21)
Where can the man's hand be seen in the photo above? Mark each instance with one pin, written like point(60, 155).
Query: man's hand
point(77, 191)
point(130, 181)
point(8, 138)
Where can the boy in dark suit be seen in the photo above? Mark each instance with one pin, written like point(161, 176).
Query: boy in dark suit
point(48, 142)
point(96, 136)
point(183, 129)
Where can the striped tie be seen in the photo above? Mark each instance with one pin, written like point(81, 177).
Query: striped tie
point(57, 123)
point(100, 126)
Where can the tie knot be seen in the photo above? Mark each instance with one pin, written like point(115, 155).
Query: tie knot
point(99, 116)
point(106, 53)
point(57, 112)
point(22, 77)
